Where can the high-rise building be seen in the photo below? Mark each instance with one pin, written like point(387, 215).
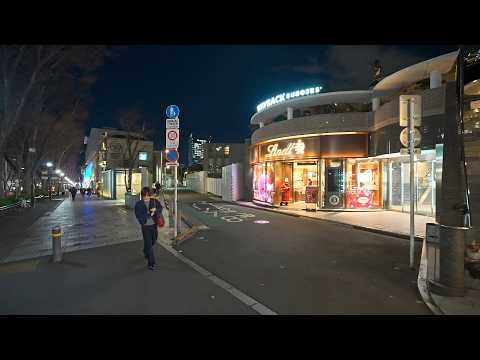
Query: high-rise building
point(196, 149)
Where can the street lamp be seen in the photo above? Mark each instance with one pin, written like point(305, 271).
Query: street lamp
point(49, 166)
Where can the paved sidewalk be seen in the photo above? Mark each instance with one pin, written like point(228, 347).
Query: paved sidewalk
point(389, 222)
point(112, 280)
point(85, 223)
point(14, 222)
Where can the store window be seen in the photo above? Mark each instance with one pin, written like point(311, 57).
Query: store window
point(264, 182)
point(363, 184)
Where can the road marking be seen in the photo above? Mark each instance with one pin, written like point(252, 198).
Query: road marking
point(229, 215)
point(241, 296)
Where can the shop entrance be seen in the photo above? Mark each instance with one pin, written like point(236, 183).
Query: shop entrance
point(300, 174)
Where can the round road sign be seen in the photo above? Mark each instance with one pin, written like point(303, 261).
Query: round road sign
point(172, 155)
point(172, 134)
point(417, 137)
point(172, 111)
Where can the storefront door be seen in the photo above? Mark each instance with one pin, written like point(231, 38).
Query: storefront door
point(304, 174)
point(334, 184)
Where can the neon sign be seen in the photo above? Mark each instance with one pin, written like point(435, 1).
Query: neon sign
point(287, 96)
point(294, 147)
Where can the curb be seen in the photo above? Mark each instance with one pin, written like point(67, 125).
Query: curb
point(357, 227)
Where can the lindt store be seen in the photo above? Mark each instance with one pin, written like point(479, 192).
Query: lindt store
point(335, 163)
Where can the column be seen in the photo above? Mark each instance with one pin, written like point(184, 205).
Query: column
point(289, 113)
point(262, 124)
point(435, 79)
point(375, 103)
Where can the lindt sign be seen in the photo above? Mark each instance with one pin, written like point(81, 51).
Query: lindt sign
point(293, 148)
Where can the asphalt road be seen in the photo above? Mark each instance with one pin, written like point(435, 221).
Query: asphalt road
point(302, 266)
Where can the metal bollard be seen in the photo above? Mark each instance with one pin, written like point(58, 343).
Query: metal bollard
point(57, 243)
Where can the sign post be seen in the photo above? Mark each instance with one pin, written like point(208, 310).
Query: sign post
point(172, 137)
point(411, 116)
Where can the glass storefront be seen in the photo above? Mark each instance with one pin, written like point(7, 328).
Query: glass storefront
point(398, 186)
point(364, 184)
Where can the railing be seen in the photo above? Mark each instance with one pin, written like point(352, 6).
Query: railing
point(18, 203)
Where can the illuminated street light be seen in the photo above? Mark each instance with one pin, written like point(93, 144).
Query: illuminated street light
point(58, 171)
point(62, 174)
point(49, 164)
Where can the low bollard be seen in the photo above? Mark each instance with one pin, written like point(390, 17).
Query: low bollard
point(57, 243)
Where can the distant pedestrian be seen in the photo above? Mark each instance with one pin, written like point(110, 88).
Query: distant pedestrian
point(157, 188)
point(148, 212)
point(73, 191)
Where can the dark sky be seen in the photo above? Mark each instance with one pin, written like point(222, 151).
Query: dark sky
point(218, 87)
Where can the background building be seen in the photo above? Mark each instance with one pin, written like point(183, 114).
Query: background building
point(196, 149)
point(105, 166)
point(218, 155)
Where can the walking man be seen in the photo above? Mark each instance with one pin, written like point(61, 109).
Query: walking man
point(148, 212)
point(73, 191)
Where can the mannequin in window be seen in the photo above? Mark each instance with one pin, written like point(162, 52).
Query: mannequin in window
point(285, 189)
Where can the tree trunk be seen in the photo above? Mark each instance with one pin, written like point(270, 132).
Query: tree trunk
point(451, 214)
point(3, 175)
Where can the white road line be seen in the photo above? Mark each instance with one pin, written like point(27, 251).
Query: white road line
point(244, 298)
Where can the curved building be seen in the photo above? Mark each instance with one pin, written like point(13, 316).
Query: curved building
point(341, 150)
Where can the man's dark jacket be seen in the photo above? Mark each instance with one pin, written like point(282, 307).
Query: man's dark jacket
point(142, 213)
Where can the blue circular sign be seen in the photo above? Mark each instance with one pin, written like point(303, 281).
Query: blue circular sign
point(172, 155)
point(172, 111)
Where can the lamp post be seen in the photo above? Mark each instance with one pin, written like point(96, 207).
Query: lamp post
point(49, 166)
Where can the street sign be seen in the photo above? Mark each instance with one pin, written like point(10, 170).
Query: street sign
point(172, 155)
point(172, 138)
point(172, 123)
point(172, 111)
point(405, 151)
point(415, 109)
point(417, 137)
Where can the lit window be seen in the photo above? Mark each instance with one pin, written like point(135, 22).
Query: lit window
point(226, 150)
point(143, 156)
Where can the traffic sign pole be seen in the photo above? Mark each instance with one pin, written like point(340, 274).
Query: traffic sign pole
point(172, 142)
point(411, 144)
point(175, 219)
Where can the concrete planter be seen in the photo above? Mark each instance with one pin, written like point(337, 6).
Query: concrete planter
point(130, 200)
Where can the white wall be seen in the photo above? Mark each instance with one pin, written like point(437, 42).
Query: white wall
point(232, 182)
point(197, 181)
point(214, 186)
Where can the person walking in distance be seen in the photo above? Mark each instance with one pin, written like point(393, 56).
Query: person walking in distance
point(73, 191)
point(148, 212)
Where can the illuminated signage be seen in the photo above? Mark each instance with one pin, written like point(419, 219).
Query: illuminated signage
point(142, 155)
point(297, 148)
point(287, 96)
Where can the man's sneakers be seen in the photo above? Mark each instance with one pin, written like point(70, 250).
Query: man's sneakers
point(151, 267)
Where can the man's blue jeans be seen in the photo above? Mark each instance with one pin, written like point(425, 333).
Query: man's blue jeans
point(150, 234)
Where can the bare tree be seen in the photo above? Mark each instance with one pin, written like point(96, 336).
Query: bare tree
point(45, 92)
point(131, 121)
point(32, 84)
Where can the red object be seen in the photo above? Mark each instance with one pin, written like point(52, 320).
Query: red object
point(285, 189)
point(160, 221)
point(361, 199)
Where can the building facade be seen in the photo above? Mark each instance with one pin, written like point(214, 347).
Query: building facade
point(105, 165)
point(196, 149)
point(218, 155)
point(341, 150)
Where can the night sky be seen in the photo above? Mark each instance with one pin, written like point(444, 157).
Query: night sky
point(218, 87)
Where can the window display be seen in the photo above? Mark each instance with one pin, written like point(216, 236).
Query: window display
point(304, 174)
point(363, 184)
point(263, 182)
